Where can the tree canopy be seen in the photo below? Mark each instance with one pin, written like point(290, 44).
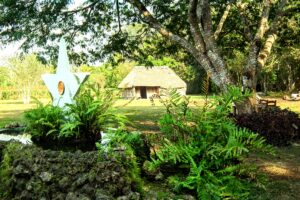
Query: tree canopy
point(208, 31)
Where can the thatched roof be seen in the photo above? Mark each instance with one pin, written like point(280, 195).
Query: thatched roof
point(161, 76)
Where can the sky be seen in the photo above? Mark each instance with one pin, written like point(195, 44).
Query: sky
point(13, 48)
point(8, 51)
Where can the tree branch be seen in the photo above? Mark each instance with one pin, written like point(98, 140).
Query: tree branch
point(80, 9)
point(206, 19)
point(254, 48)
point(257, 56)
point(148, 18)
point(266, 50)
point(195, 30)
point(199, 15)
point(271, 38)
point(212, 50)
point(263, 25)
point(207, 60)
point(222, 21)
point(118, 14)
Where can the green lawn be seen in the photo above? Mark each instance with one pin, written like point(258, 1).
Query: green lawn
point(143, 113)
point(12, 110)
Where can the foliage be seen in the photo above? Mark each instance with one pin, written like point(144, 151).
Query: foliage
point(181, 65)
point(44, 121)
point(109, 74)
point(135, 140)
point(79, 124)
point(207, 146)
point(107, 28)
point(130, 150)
point(235, 65)
point(4, 76)
point(26, 73)
point(278, 126)
point(287, 69)
point(154, 50)
point(91, 113)
point(6, 170)
point(115, 71)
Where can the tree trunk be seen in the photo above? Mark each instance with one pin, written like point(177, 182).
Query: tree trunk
point(203, 46)
point(26, 93)
point(247, 106)
point(265, 83)
point(291, 83)
point(264, 54)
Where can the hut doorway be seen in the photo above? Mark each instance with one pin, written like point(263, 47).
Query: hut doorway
point(143, 92)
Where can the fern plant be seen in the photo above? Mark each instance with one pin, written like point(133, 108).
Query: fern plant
point(208, 145)
point(79, 124)
point(91, 113)
point(44, 121)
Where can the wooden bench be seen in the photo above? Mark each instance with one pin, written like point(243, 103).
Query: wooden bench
point(262, 103)
point(258, 105)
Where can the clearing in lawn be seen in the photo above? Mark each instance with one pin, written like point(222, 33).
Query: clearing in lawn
point(282, 169)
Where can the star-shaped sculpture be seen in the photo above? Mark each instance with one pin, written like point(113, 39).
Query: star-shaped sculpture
point(63, 85)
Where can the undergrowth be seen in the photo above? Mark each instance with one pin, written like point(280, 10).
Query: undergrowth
point(278, 126)
point(77, 125)
point(206, 148)
point(130, 149)
point(6, 170)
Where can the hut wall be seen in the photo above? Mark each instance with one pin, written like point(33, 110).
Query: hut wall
point(128, 93)
point(137, 92)
point(151, 91)
point(181, 91)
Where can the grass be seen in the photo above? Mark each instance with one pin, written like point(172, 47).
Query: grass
point(144, 114)
point(12, 110)
point(283, 169)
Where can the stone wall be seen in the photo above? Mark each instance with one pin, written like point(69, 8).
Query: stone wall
point(2, 146)
point(46, 174)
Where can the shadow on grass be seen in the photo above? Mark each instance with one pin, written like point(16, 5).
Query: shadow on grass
point(283, 172)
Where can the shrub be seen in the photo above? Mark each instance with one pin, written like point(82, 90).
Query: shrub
point(129, 149)
point(135, 140)
point(44, 121)
point(78, 125)
point(91, 113)
point(206, 148)
point(6, 170)
point(278, 126)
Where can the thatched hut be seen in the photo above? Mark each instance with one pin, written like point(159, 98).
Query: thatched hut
point(145, 82)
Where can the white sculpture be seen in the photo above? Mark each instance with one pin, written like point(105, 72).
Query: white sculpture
point(63, 85)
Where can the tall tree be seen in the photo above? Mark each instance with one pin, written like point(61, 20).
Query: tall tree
point(194, 25)
point(26, 73)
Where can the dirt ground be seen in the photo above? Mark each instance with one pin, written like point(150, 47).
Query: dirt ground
point(283, 173)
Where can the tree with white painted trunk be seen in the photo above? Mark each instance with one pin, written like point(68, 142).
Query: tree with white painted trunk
point(25, 74)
